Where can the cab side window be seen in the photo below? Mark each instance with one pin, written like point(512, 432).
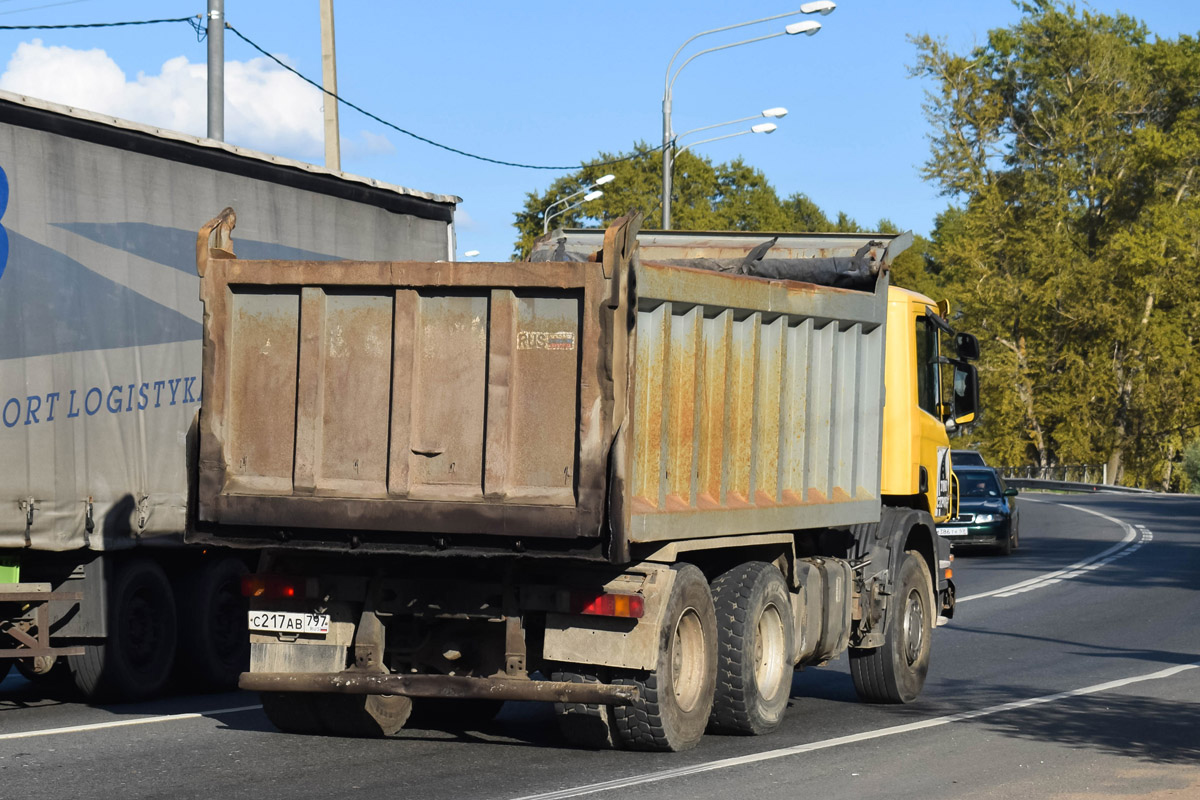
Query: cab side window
point(927, 366)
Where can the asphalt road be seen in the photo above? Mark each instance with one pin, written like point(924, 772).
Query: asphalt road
point(1071, 670)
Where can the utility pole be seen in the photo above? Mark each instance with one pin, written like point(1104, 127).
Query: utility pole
point(333, 156)
point(216, 69)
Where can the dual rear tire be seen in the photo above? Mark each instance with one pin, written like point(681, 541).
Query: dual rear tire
point(724, 663)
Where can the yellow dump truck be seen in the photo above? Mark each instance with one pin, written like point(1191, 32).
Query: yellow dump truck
point(642, 476)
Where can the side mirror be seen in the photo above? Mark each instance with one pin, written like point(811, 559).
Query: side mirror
point(966, 346)
point(966, 394)
point(1011, 491)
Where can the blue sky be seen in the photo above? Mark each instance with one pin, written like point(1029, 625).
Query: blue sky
point(537, 82)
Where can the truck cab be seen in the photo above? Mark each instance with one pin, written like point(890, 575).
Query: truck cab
point(927, 395)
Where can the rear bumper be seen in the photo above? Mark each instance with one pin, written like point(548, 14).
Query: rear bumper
point(441, 686)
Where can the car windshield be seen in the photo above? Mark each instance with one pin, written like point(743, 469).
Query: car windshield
point(978, 484)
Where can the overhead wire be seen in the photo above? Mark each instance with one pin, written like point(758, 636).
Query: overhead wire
point(424, 139)
point(201, 32)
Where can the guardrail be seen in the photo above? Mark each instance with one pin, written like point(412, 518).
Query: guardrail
point(1072, 486)
point(1071, 473)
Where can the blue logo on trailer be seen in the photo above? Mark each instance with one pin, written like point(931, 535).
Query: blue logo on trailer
point(3, 233)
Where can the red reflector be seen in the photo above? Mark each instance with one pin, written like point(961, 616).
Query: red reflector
point(631, 606)
point(271, 587)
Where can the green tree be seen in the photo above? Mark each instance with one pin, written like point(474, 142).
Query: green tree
point(1069, 144)
point(732, 196)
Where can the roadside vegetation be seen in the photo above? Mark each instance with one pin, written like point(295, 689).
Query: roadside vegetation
point(1068, 147)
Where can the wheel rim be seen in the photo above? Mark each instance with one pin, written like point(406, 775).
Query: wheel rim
point(914, 627)
point(768, 652)
point(687, 659)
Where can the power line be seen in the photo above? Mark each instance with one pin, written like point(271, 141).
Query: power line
point(201, 31)
point(193, 21)
point(420, 138)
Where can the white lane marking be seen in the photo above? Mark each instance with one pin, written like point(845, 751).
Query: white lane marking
point(120, 723)
point(1118, 550)
point(754, 758)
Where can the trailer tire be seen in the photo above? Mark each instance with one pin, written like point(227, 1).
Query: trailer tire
point(675, 699)
point(292, 712)
point(134, 661)
point(895, 672)
point(363, 716)
point(588, 726)
point(754, 649)
point(213, 613)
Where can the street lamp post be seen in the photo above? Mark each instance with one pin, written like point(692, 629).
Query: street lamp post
point(808, 27)
point(589, 197)
point(546, 211)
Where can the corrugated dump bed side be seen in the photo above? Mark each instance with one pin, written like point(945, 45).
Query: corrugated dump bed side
point(756, 405)
point(423, 397)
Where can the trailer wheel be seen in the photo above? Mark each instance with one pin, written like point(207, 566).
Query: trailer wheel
point(292, 712)
point(363, 716)
point(754, 649)
point(215, 647)
point(134, 661)
point(675, 699)
point(895, 673)
point(586, 725)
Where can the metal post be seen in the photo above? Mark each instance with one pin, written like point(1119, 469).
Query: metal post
point(666, 160)
point(216, 69)
point(333, 157)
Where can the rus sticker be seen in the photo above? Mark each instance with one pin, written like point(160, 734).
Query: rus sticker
point(545, 340)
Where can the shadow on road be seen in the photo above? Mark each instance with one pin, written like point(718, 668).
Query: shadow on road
point(1145, 728)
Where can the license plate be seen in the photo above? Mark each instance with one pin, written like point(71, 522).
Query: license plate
point(288, 622)
point(952, 531)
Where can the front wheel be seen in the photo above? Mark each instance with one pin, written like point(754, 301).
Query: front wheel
point(895, 672)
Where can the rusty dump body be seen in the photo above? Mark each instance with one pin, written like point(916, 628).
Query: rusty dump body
point(602, 406)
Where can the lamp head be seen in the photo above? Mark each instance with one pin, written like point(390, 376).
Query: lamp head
point(822, 7)
point(763, 127)
point(604, 180)
point(590, 196)
point(808, 26)
point(777, 112)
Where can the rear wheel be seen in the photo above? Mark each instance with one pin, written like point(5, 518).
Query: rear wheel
point(134, 661)
point(754, 649)
point(366, 716)
point(676, 698)
point(587, 725)
point(895, 672)
point(292, 712)
point(453, 714)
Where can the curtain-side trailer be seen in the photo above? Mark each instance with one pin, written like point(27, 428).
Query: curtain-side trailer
point(643, 477)
point(100, 329)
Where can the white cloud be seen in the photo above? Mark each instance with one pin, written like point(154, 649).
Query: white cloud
point(463, 221)
point(266, 108)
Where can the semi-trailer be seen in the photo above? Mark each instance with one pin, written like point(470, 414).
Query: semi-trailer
point(100, 328)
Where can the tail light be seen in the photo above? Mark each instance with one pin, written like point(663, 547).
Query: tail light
point(272, 587)
point(630, 606)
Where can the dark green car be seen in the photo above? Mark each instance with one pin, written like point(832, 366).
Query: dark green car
point(987, 512)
